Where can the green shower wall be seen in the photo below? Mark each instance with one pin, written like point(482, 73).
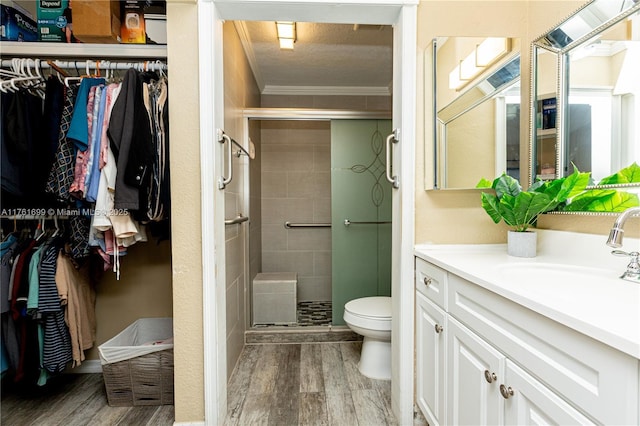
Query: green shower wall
point(361, 253)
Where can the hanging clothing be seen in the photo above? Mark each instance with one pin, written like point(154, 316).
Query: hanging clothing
point(77, 294)
point(121, 133)
point(61, 174)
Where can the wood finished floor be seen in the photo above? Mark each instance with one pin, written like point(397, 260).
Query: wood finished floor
point(74, 400)
point(306, 384)
point(273, 384)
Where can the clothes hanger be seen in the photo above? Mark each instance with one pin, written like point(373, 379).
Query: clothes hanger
point(68, 80)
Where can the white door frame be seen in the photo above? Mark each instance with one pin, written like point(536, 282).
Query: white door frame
point(402, 14)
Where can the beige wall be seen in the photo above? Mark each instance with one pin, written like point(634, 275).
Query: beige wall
point(186, 240)
point(455, 216)
point(143, 291)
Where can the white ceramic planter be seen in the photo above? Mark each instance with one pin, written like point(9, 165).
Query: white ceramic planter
point(522, 244)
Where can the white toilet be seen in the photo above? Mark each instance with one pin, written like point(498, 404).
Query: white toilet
point(371, 318)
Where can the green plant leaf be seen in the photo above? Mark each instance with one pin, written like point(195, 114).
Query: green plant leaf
point(527, 207)
point(490, 205)
point(484, 183)
point(583, 202)
point(570, 186)
point(505, 184)
point(619, 202)
point(629, 174)
point(506, 209)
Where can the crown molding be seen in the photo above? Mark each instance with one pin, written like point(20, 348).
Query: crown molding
point(327, 90)
point(243, 34)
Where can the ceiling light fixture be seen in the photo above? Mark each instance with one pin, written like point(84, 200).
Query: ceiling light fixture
point(484, 55)
point(286, 34)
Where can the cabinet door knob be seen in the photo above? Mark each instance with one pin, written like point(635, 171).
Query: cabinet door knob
point(506, 391)
point(427, 281)
point(438, 328)
point(489, 377)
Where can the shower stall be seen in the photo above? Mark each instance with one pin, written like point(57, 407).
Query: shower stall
point(319, 207)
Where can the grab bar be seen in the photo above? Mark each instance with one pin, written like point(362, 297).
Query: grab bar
point(224, 181)
point(237, 219)
point(392, 138)
point(348, 222)
point(290, 225)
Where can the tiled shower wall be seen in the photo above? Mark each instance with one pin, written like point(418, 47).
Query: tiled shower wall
point(296, 187)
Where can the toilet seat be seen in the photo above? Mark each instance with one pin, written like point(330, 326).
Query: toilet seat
point(369, 312)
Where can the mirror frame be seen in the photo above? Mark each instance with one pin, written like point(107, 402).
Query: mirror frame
point(439, 126)
point(562, 57)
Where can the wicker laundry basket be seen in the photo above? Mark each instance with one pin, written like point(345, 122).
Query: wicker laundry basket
point(138, 370)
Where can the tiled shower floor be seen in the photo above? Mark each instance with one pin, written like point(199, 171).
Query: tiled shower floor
point(309, 314)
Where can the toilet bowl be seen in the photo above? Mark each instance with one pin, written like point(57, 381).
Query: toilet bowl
point(371, 318)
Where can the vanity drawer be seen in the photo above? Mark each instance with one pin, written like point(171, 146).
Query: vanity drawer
point(431, 281)
point(597, 379)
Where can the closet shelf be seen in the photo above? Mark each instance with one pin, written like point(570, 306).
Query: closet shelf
point(59, 50)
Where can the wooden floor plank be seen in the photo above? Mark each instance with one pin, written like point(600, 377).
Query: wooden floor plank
point(140, 416)
point(239, 383)
point(313, 409)
point(68, 402)
point(333, 369)
point(340, 409)
point(107, 416)
point(164, 416)
point(255, 410)
point(86, 410)
point(350, 358)
point(371, 411)
point(286, 391)
point(266, 371)
point(23, 405)
point(311, 379)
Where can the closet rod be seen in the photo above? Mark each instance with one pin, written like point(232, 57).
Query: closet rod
point(104, 65)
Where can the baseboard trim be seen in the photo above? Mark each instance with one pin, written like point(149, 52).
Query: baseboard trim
point(87, 367)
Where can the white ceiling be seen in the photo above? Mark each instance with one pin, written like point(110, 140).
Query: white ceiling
point(326, 59)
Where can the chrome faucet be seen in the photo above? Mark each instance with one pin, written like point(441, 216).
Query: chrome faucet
point(615, 240)
point(617, 232)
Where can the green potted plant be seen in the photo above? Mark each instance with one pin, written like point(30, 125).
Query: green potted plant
point(520, 209)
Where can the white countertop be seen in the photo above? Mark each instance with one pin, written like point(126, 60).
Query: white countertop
point(574, 280)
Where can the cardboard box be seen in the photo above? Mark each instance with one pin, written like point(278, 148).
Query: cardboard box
point(54, 18)
point(96, 21)
point(16, 26)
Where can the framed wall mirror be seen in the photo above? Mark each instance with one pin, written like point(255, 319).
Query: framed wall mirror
point(476, 82)
point(585, 87)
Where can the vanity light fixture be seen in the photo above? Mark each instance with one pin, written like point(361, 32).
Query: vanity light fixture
point(484, 55)
point(286, 34)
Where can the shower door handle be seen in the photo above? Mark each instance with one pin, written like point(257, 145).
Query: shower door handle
point(392, 138)
point(224, 181)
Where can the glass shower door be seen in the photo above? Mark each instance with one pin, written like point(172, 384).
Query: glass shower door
point(360, 194)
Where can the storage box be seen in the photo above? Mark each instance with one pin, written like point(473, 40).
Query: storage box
point(54, 17)
point(96, 21)
point(16, 26)
point(137, 364)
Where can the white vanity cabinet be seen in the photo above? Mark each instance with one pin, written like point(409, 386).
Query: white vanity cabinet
point(431, 340)
point(506, 364)
point(473, 370)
